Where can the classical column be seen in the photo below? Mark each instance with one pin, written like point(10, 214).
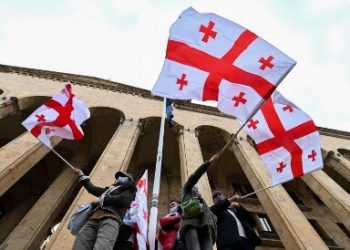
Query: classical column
point(332, 229)
point(18, 157)
point(190, 159)
point(290, 223)
point(33, 228)
point(332, 195)
point(114, 158)
point(339, 164)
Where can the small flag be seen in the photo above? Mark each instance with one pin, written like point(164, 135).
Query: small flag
point(60, 116)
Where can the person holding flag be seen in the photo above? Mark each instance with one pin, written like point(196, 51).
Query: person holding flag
point(101, 229)
point(198, 224)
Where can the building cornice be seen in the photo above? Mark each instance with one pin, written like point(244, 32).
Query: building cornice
point(95, 82)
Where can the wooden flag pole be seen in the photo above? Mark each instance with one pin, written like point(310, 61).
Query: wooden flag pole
point(64, 160)
point(255, 192)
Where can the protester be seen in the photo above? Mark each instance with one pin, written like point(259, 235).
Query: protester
point(197, 230)
point(102, 227)
point(168, 237)
point(235, 224)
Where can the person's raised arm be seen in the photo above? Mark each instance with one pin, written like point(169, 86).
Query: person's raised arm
point(85, 181)
point(196, 175)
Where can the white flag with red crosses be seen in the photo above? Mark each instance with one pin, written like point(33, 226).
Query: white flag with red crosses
point(211, 58)
point(286, 138)
point(60, 116)
point(137, 215)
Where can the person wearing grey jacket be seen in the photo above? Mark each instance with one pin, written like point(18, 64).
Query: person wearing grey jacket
point(101, 229)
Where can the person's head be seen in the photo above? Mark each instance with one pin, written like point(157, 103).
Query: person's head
point(217, 196)
point(123, 178)
point(173, 204)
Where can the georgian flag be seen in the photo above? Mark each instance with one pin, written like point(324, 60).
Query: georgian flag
point(286, 138)
point(60, 116)
point(211, 58)
point(137, 215)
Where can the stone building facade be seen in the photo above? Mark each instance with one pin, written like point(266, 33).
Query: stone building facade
point(38, 192)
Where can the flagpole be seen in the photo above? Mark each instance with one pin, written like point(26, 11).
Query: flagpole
point(257, 191)
point(65, 161)
point(262, 101)
point(156, 184)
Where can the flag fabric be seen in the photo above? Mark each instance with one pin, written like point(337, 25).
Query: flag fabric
point(211, 58)
point(137, 215)
point(286, 139)
point(60, 116)
point(169, 112)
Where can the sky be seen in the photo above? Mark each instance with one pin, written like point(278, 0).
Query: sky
point(125, 41)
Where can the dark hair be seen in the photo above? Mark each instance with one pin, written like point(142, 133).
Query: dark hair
point(177, 201)
point(216, 194)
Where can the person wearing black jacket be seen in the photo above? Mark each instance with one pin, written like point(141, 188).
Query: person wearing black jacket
point(234, 224)
point(101, 229)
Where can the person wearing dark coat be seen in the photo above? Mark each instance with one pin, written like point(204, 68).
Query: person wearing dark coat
point(198, 233)
point(101, 229)
point(235, 224)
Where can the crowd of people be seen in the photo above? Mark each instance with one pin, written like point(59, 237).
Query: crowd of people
point(190, 224)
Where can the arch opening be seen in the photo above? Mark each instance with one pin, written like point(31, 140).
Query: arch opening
point(24, 194)
point(144, 157)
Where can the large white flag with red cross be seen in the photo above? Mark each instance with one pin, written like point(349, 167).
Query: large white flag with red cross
point(286, 138)
point(137, 215)
point(60, 116)
point(211, 58)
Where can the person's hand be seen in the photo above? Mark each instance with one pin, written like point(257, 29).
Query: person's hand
point(235, 198)
point(215, 157)
point(234, 201)
point(96, 202)
point(234, 204)
point(78, 172)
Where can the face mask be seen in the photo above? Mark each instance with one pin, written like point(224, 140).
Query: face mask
point(173, 210)
point(122, 179)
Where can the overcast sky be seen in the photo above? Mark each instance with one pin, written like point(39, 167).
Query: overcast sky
point(125, 41)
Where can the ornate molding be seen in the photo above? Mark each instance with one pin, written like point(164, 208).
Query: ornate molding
point(95, 82)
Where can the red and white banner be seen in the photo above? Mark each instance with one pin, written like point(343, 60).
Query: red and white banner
point(211, 58)
point(60, 116)
point(286, 139)
point(137, 215)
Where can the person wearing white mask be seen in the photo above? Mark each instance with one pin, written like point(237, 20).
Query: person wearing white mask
point(101, 229)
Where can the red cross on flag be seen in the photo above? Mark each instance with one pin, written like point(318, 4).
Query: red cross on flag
point(60, 116)
point(286, 138)
point(211, 58)
point(137, 215)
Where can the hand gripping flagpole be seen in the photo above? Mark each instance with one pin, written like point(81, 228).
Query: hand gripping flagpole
point(156, 184)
